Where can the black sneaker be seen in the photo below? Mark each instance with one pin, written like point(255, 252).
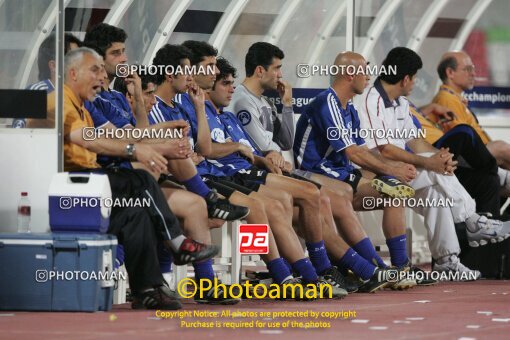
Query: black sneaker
point(378, 281)
point(294, 289)
point(155, 299)
point(221, 297)
point(336, 279)
point(422, 277)
point(336, 291)
point(223, 209)
point(192, 251)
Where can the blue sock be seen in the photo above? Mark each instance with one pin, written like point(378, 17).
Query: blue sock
point(288, 265)
point(318, 256)
point(397, 247)
point(165, 259)
point(278, 270)
point(204, 270)
point(359, 266)
point(306, 270)
point(197, 186)
point(367, 251)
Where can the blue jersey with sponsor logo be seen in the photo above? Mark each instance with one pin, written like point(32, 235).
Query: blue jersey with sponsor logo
point(162, 112)
point(323, 132)
point(223, 129)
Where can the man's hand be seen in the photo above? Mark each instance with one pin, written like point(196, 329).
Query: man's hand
point(246, 152)
point(134, 86)
point(152, 159)
point(177, 148)
point(287, 167)
point(276, 158)
point(285, 92)
point(197, 96)
point(404, 172)
point(271, 167)
point(442, 162)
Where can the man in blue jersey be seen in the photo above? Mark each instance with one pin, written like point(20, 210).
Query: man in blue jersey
point(47, 65)
point(328, 142)
point(167, 109)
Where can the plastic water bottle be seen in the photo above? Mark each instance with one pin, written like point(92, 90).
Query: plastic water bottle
point(24, 214)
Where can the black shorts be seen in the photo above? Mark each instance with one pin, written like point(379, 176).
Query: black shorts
point(353, 179)
point(226, 186)
point(303, 176)
point(252, 174)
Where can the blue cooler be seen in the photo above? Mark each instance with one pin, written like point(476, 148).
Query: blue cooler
point(79, 202)
point(57, 272)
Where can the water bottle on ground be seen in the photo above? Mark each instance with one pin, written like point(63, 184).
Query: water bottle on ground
point(24, 214)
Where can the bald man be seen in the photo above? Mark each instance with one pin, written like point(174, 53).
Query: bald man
point(328, 142)
point(457, 73)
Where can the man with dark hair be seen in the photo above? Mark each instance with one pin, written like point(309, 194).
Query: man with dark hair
point(387, 109)
point(259, 117)
point(46, 65)
point(457, 73)
point(137, 228)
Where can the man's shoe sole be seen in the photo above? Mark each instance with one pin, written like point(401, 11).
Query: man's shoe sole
point(482, 242)
point(211, 252)
point(398, 191)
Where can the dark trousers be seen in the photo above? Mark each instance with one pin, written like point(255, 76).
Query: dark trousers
point(477, 170)
point(139, 229)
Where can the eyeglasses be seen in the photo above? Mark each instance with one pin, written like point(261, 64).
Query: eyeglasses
point(469, 68)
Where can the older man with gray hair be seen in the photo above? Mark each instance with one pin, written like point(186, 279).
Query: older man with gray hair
point(137, 228)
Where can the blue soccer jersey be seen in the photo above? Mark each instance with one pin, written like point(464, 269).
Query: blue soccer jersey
point(119, 100)
point(162, 112)
point(323, 132)
point(230, 164)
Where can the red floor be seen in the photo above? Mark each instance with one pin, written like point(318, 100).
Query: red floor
point(476, 310)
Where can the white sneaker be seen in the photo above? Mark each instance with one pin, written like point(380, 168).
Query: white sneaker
point(453, 270)
point(488, 230)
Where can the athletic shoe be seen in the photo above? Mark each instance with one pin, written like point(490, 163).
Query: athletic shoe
point(336, 292)
point(192, 251)
point(460, 272)
point(378, 281)
point(156, 298)
point(336, 279)
point(223, 209)
point(403, 281)
point(489, 230)
point(422, 277)
point(293, 290)
point(217, 297)
point(390, 186)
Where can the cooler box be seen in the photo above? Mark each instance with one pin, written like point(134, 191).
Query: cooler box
point(80, 202)
point(57, 272)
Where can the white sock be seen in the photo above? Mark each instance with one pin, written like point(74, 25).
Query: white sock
point(447, 258)
point(471, 222)
point(176, 242)
point(502, 173)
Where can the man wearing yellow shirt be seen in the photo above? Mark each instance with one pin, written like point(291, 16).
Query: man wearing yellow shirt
point(457, 73)
point(137, 228)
